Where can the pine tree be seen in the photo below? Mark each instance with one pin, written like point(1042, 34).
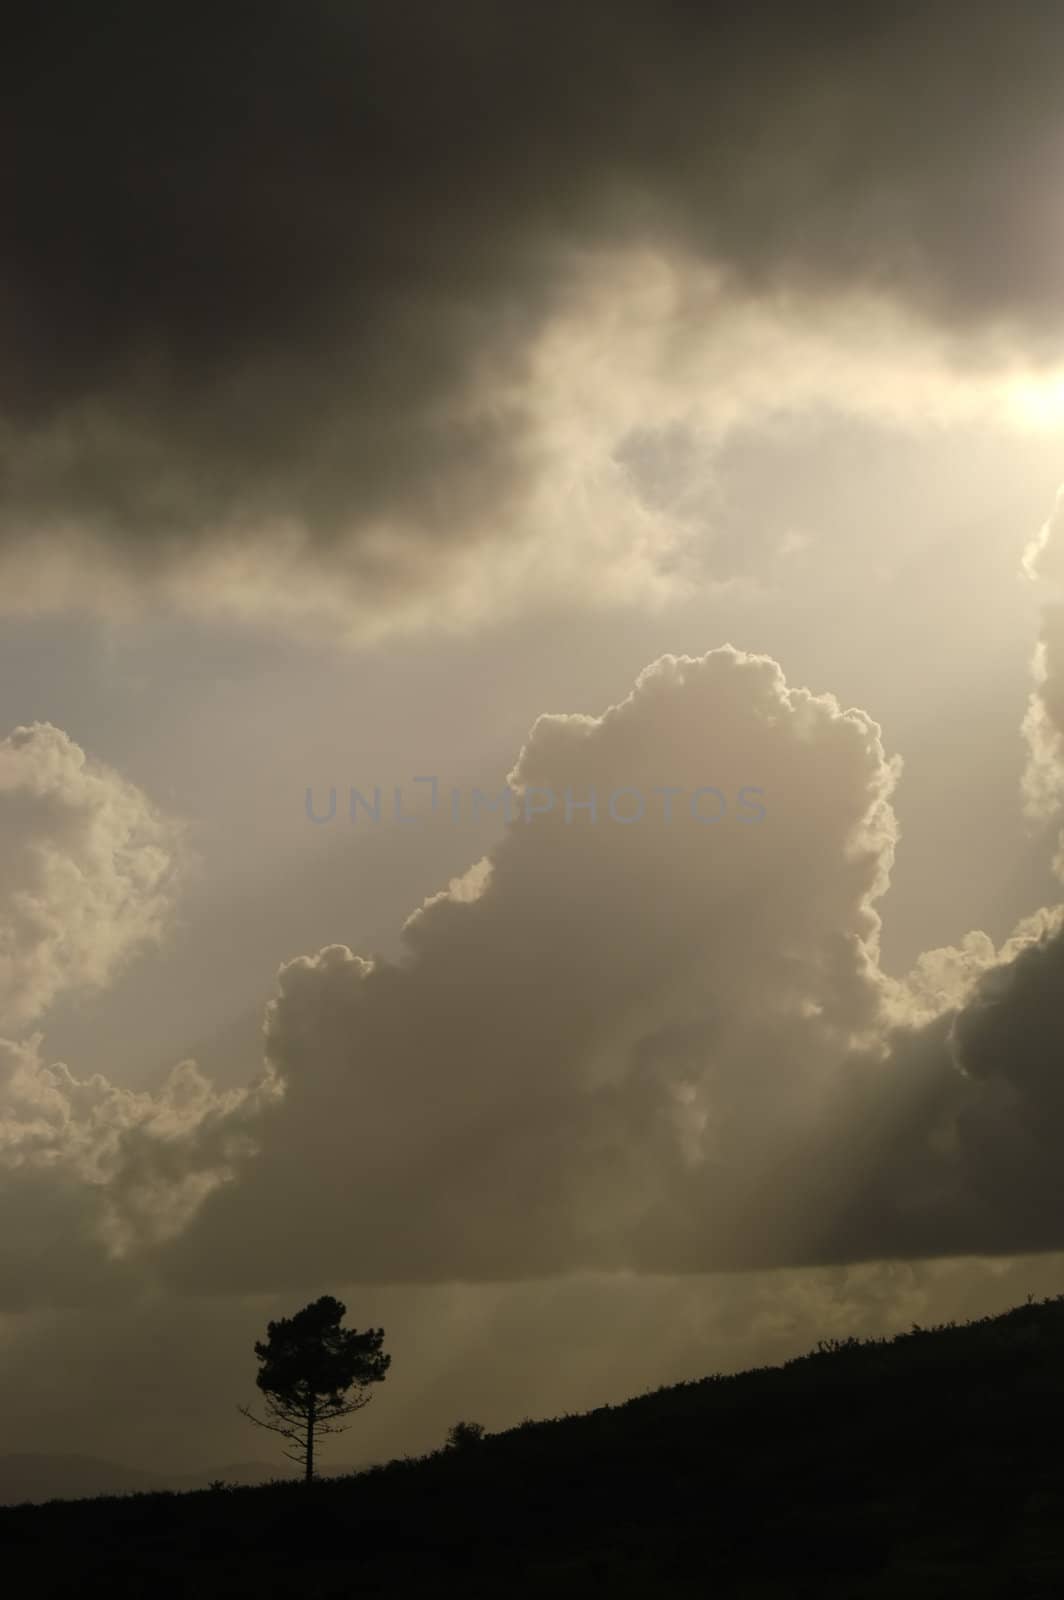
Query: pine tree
point(309, 1365)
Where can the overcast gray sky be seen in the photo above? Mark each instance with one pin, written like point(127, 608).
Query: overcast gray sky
point(646, 396)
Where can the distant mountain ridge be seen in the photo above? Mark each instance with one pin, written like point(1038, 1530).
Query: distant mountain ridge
point(26, 1476)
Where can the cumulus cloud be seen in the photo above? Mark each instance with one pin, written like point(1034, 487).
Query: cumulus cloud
point(95, 1173)
point(666, 1045)
point(648, 1032)
point(599, 1046)
point(87, 871)
point(288, 349)
point(98, 1174)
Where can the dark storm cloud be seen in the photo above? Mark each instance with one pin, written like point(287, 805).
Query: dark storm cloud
point(284, 264)
point(954, 1147)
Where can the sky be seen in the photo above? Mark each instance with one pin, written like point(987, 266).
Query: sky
point(652, 414)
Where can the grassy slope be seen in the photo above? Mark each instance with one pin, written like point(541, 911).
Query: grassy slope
point(931, 1464)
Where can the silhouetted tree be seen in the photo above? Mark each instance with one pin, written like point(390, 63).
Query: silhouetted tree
point(464, 1434)
point(308, 1366)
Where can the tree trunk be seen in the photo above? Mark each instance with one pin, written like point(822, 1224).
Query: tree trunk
point(310, 1440)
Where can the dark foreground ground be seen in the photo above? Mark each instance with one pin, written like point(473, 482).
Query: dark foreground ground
point(929, 1465)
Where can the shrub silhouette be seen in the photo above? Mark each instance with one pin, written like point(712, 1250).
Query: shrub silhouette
point(464, 1434)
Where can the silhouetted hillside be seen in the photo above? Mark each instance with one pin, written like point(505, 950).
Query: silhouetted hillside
point(926, 1465)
